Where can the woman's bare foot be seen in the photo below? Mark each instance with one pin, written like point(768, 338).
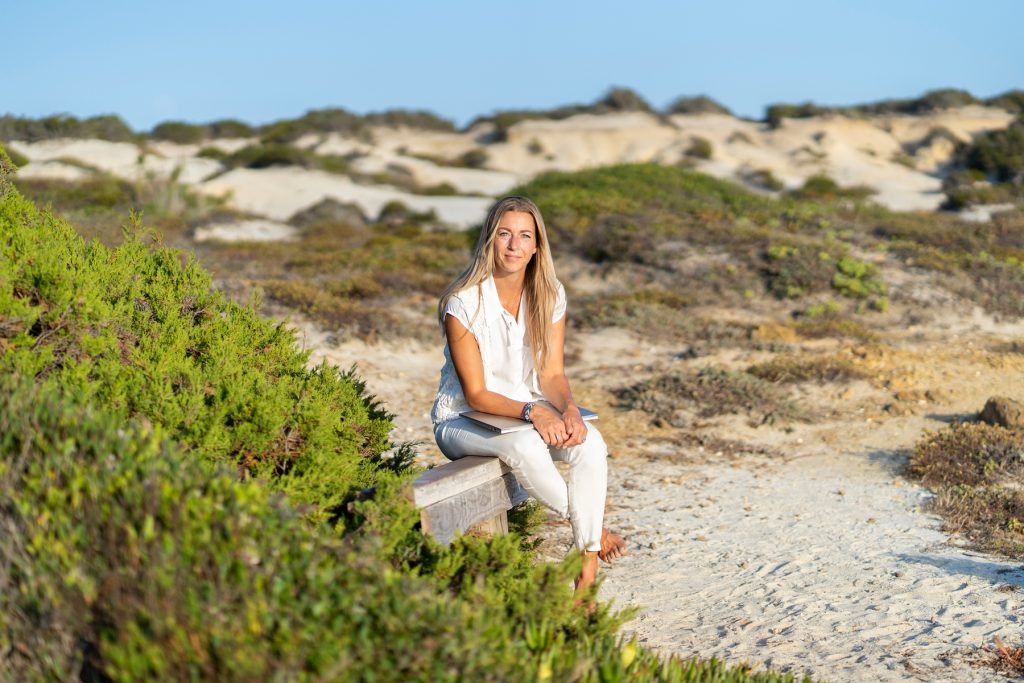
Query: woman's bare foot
point(613, 546)
point(588, 574)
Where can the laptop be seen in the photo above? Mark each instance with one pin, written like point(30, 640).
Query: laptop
point(505, 425)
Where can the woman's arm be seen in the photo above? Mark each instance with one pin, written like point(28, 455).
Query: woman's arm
point(555, 387)
point(470, 368)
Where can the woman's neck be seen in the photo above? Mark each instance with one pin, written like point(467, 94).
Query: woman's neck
point(507, 284)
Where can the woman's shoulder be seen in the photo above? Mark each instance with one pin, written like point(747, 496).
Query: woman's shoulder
point(467, 296)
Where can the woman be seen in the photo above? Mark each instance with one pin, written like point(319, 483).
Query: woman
point(504, 320)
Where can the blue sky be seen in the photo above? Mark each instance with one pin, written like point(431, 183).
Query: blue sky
point(260, 61)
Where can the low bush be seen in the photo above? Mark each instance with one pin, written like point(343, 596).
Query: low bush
point(763, 178)
point(229, 128)
point(19, 160)
point(700, 148)
point(833, 326)
point(1011, 100)
point(968, 453)
point(790, 369)
point(418, 119)
point(944, 98)
point(180, 132)
point(975, 469)
point(619, 98)
point(318, 121)
point(267, 155)
point(105, 127)
point(999, 154)
point(700, 104)
point(822, 187)
point(709, 392)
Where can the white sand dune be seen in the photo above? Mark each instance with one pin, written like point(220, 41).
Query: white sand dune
point(281, 192)
point(122, 159)
point(426, 174)
point(901, 157)
point(245, 231)
point(54, 170)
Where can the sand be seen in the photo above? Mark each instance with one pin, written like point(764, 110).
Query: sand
point(245, 231)
point(813, 554)
point(281, 192)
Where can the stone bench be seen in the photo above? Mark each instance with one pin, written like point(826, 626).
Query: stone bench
point(474, 491)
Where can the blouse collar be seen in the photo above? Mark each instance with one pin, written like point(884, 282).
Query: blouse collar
point(492, 304)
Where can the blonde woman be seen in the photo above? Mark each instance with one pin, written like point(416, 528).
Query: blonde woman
point(504, 321)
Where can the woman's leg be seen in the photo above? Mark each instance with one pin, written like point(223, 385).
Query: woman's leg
point(524, 452)
point(588, 485)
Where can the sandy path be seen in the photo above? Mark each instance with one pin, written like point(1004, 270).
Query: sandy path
point(824, 565)
point(821, 561)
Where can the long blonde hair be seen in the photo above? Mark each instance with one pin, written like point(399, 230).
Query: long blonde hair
point(541, 285)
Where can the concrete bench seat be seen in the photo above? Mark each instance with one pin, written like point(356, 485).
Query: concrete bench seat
point(472, 492)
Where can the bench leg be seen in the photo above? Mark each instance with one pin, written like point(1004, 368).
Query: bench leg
point(496, 525)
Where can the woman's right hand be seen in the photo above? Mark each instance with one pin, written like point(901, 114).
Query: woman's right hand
point(549, 425)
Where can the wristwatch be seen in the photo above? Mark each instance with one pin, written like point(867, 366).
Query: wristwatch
point(527, 409)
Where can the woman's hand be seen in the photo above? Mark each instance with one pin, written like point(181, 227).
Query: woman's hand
point(550, 426)
point(575, 427)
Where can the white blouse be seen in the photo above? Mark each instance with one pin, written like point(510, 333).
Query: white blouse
point(504, 349)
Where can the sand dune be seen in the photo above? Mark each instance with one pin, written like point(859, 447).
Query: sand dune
point(901, 157)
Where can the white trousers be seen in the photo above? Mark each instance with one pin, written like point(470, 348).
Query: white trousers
point(532, 461)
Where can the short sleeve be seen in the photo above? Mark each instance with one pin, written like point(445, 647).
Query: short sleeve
point(456, 308)
point(559, 311)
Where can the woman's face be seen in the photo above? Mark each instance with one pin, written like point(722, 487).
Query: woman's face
point(515, 243)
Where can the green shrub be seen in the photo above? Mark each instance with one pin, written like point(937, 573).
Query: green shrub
point(19, 160)
point(833, 326)
point(474, 158)
point(789, 369)
point(100, 194)
point(419, 119)
point(857, 279)
point(700, 148)
point(102, 321)
point(333, 120)
point(822, 187)
point(180, 132)
point(968, 453)
point(622, 99)
point(998, 153)
point(105, 127)
point(1011, 100)
point(764, 179)
point(974, 469)
point(700, 104)
point(229, 128)
point(267, 155)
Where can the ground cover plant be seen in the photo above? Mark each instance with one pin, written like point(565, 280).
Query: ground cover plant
point(975, 470)
point(183, 498)
point(786, 369)
point(674, 397)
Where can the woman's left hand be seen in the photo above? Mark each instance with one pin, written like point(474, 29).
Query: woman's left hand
point(575, 427)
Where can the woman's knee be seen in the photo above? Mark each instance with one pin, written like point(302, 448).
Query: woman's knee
point(526, 447)
point(592, 453)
